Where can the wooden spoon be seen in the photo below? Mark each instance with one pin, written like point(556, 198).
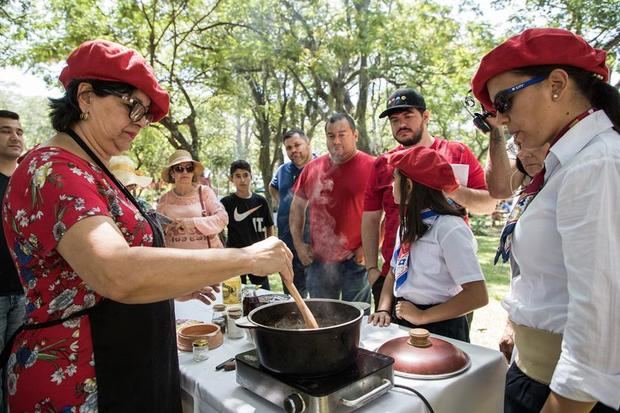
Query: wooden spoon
point(303, 308)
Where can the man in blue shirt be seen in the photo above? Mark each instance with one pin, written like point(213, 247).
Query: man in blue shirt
point(297, 146)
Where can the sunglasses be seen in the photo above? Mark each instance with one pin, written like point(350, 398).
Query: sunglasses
point(180, 169)
point(137, 110)
point(503, 99)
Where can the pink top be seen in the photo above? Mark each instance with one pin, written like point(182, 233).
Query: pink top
point(197, 231)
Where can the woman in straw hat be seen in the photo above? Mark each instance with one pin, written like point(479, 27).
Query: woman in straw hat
point(124, 169)
point(549, 86)
point(99, 333)
point(197, 216)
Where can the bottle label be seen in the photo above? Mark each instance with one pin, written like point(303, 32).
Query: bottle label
point(231, 291)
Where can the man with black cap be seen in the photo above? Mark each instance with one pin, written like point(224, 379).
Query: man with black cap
point(408, 116)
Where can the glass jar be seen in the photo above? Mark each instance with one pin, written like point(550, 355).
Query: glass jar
point(219, 316)
point(249, 299)
point(233, 331)
point(200, 350)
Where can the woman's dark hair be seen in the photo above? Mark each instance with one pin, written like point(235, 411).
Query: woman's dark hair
point(65, 111)
point(419, 198)
point(600, 94)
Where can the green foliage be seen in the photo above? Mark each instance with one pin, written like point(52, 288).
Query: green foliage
point(241, 73)
point(598, 21)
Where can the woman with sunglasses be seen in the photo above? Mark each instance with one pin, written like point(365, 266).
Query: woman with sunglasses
point(197, 215)
point(549, 86)
point(99, 333)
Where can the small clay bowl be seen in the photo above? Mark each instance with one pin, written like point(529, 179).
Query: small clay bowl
point(188, 334)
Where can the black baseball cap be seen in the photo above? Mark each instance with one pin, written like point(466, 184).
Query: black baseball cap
point(403, 99)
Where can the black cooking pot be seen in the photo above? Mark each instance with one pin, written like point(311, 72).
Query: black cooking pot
point(285, 346)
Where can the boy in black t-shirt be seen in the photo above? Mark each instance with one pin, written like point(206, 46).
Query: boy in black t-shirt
point(249, 217)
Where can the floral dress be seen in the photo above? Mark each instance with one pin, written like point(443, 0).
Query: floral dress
point(52, 368)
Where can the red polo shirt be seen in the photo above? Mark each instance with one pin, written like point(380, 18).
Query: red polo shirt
point(335, 193)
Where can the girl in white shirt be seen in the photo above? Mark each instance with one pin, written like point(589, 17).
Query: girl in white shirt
point(434, 275)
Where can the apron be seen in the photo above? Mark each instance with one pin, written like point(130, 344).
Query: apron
point(134, 345)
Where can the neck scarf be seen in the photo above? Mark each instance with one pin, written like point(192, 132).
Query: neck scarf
point(401, 271)
point(526, 197)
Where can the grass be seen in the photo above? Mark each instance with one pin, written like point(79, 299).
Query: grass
point(497, 276)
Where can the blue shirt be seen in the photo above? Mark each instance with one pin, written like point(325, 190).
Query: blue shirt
point(283, 180)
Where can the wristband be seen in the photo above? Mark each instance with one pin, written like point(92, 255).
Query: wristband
point(384, 311)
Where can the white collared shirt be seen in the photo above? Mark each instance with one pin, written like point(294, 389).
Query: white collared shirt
point(566, 246)
point(440, 261)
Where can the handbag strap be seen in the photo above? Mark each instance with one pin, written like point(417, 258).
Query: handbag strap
point(158, 238)
point(202, 202)
point(204, 212)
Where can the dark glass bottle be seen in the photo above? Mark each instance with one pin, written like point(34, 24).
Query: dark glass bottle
point(250, 300)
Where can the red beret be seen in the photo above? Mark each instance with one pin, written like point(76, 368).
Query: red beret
point(425, 166)
point(537, 47)
point(104, 60)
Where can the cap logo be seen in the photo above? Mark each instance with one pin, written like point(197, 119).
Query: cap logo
point(395, 98)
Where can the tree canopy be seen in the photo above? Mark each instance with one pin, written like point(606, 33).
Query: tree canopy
point(241, 73)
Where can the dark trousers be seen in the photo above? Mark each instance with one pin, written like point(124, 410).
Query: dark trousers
point(262, 282)
point(299, 277)
point(456, 328)
point(525, 395)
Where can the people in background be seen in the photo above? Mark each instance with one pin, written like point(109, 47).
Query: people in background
point(124, 169)
point(196, 215)
point(550, 87)
point(408, 116)
point(249, 217)
point(297, 146)
point(99, 331)
point(332, 186)
point(12, 307)
point(434, 272)
point(191, 214)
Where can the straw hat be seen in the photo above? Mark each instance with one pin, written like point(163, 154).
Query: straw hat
point(124, 169)
point(181, 156)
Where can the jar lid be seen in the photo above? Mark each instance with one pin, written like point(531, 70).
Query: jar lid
point(203, 342)
point(420, 356)
point(219, 307)
point(234, 312)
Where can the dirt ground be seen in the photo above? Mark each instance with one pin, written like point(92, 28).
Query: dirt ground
point(488, 325)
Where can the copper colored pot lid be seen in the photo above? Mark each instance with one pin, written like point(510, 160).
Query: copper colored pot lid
point(420, 356)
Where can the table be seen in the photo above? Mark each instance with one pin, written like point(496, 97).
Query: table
point(480, 389)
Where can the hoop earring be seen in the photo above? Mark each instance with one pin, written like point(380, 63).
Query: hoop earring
point(84, 116)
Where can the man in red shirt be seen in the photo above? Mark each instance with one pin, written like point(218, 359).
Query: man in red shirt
point(406, 110)
point(333, 187)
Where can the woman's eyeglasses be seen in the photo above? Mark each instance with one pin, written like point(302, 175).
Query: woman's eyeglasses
point(180, 168)
point(137, 110)
point(503, 99)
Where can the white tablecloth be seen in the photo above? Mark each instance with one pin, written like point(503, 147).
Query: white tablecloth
point(480, 389)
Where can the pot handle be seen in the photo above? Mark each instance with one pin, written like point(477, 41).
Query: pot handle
point(386, 384)
point(244, 322)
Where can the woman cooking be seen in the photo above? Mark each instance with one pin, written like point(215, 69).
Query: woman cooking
point(99, 330)
point(549, 86)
